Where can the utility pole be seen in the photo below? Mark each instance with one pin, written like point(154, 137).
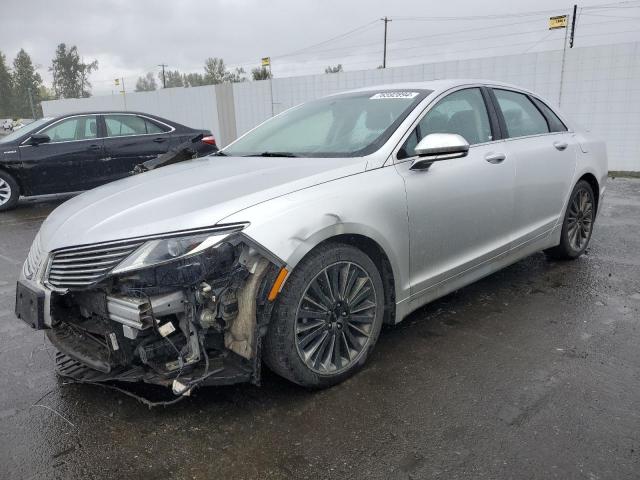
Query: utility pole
point(384, 55)
point(164, 81)
point(124, 94)
point(33, 110)
point(564, 58)
point(573, 25)
point(271, 86)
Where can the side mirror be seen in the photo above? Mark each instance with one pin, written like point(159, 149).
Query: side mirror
point(439, 146)
point(38, 138)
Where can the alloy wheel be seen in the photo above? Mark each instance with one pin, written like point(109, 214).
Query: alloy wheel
point(5, 191)
point(580, 219)
point(335, 318)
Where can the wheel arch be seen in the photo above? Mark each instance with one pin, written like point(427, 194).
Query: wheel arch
point(376, 253)
point(16, 177)
point(591, 179)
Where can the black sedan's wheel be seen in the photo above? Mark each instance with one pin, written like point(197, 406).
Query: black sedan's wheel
point(327, 319)
point(578, 224)
point(9, 191)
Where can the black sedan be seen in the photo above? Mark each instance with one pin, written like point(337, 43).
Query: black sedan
point(80, 151)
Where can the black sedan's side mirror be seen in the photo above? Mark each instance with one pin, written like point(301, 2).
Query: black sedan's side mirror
point(38, 138)
point(439, 146)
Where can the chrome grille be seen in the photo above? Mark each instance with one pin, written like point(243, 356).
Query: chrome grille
point(80, 267)
point(32, 263)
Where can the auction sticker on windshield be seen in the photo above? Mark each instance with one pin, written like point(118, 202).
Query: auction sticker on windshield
point(383, 95)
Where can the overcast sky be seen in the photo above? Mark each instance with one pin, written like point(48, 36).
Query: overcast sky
point(131, 37)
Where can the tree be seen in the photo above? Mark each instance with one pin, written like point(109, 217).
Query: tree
point(70, 73)
point(6, 88)
point(193, 80)
point(172, 78)
point(216, 72)
point(146, 83)
point(26, 82)
point(237, 76)
point(336, 69)
point(261, 73)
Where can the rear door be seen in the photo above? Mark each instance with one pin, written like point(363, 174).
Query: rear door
point(544, 153)
point(61, 164)
point(131, 139)
point(459, 210)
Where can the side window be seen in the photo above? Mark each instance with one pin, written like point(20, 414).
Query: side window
point(125, 125)
point(555, 124)
point(153, 127)
point(520, 114)
point(74, 128)
point(463, 112)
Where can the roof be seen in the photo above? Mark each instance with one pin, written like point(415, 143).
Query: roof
point(103, 112)
point(436, 85)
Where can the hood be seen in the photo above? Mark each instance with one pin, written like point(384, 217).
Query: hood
point(197, 193)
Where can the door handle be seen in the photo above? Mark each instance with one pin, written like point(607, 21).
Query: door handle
point(95, 148)
point(560, 145)
point(159, 140)
point(495, 157)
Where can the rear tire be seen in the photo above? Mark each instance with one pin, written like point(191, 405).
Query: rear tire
point(327, 319)
point(577, 226)
point(9, 192)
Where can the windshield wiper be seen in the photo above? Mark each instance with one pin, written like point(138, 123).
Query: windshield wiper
point(272, 154)
point(220, 153)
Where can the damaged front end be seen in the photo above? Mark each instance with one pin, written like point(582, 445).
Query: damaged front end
point(178, 310)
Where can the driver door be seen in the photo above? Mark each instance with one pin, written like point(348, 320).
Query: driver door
point(460, 210)
point(60, 165)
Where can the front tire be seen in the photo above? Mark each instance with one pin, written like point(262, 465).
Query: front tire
point(9, 191)
point(327, 319)
point(577, 226)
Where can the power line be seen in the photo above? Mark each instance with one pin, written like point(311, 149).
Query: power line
point(332, 39)
point(420, 37)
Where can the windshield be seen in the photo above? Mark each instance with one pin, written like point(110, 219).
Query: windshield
point(347, 125)
point(24, 130)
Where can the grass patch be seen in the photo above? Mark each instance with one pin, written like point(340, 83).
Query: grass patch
point(623, 174)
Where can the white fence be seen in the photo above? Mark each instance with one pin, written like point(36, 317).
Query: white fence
point(600, 89)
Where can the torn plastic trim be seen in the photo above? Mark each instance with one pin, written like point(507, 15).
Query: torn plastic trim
point(160, 333)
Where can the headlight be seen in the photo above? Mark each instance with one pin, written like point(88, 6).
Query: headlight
point(157, 252)
point(32, 263)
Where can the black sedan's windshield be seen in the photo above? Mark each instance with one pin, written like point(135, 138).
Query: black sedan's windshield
point(347, 125)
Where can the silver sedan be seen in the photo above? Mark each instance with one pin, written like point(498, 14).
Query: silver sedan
point(295, 243)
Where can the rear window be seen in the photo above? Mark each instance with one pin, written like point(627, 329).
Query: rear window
point(126, 125)
point(555, 124)
point(521, 116)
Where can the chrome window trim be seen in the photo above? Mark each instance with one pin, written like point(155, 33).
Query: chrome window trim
point(104, 114)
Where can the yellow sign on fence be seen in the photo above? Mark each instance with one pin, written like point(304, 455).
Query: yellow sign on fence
point(266, 61)
point(558, 22)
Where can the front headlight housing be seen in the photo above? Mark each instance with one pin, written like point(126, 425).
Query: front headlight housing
point(165, 250)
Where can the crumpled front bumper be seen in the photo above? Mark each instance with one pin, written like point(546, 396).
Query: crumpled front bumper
point(205, 333)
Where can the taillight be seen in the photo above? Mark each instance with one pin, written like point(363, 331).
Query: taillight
point(209, 140)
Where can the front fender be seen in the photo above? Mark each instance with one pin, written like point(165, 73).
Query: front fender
point(372, 204)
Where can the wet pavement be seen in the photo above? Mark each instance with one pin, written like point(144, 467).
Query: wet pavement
point(533, 372)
